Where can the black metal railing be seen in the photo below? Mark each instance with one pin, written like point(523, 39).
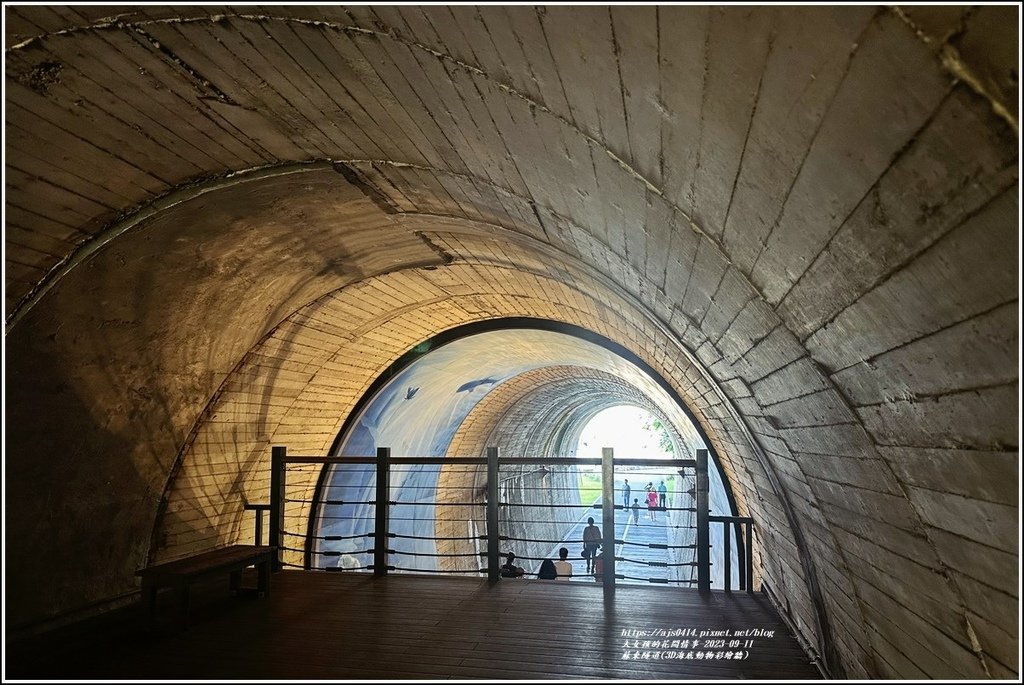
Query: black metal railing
point(382, 533)
point(744, 552)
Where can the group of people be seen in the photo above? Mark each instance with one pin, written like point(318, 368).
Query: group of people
point(592, 546)
point(562, 569)
point(549, 570)
point(655, 498)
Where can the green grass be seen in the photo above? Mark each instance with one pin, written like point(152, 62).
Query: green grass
point(590, 487)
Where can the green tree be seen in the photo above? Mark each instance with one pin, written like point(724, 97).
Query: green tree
point(655, 425)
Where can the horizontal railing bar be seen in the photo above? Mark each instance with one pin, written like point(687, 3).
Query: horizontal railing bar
point(443, 554)
point(677, 463)
point(656, 545)
point(549, 542)
point(549, 461)
point(438, 572)
point(443, 461)
point(296, 459)
point(730, 519)
point(438, 504)
point(504, 461)
point(431, 537)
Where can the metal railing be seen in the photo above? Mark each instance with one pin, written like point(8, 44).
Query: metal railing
point(386, 549)
point(744, 552)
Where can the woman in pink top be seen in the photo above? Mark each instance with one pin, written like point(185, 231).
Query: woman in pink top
point(652, 503)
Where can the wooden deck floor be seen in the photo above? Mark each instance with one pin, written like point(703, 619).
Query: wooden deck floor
point(351, 626)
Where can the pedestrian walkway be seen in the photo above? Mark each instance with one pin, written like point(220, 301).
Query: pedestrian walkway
point(644, 544)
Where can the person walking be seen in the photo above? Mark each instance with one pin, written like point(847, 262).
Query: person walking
point(662, 493)
point(591, 541)
point(562, 567)
point(636, 512)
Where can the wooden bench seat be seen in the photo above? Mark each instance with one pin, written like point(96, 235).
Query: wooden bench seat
point(180, 574)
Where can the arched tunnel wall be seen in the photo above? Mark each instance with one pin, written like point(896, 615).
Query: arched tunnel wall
point(222, 225)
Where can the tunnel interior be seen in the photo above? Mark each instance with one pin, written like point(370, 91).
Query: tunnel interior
point(548, 385)
point(224, 225)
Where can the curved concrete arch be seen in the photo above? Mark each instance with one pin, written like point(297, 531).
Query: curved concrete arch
point(807, 235)
point(316, 441)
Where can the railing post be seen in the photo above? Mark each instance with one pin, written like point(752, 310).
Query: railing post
point(492, 515)
point(259, 527)
point(608, 518)
point(380, 530)
point(703, 537)
point(750, 556)
point(727, 543)
point(278, 471)
point(741, 556)
point(277, 488)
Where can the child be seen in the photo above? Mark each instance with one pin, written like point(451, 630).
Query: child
point(636, 512)
point(599, 567)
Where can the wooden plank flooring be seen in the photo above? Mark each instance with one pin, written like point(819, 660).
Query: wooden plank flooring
point(341, 626)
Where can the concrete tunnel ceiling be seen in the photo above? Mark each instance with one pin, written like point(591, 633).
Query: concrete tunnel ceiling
point(222, 227)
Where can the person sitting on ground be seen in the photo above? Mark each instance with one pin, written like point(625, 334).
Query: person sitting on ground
point(510, 570)
point(547, 570)
point(562, 567)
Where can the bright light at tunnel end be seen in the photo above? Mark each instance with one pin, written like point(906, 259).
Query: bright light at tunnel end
point(626, 429)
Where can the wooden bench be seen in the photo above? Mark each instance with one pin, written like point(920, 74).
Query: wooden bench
point(182, 573)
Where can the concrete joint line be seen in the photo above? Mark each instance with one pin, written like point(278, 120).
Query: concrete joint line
point(946, 573)
point(139, 216)
point(955, 65)
point(922, 527)
point(392, 35)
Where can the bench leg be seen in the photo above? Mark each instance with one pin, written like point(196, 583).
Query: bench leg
point(263, 582)
point(236, 582)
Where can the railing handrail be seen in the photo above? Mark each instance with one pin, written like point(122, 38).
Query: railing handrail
point(482, 461)
point(730, 519)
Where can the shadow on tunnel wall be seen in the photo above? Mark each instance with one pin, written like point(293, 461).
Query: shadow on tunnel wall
point(110, 374)
point(68, 514)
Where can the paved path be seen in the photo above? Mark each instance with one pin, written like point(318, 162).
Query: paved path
point(637, 538)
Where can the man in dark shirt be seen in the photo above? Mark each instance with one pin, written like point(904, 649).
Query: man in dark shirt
point(591, 541)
